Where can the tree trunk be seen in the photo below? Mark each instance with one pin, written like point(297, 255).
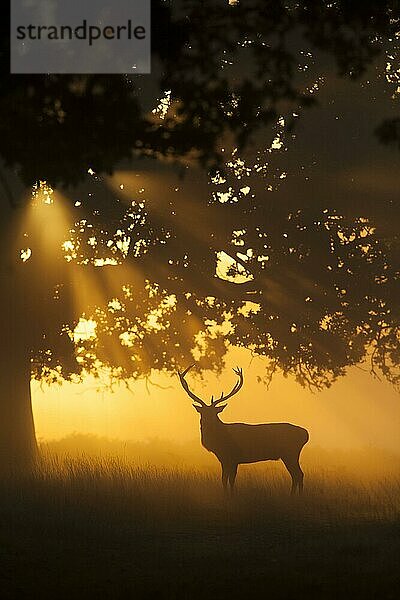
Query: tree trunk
point(18, 448)
point(17, 433)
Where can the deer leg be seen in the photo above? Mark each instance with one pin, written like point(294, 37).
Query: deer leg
point(296, 474)
point(225, 475)
point(300, 481)
point(232, 476)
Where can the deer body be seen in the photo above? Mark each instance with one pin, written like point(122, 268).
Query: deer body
point(239, 443)
point(245, 443)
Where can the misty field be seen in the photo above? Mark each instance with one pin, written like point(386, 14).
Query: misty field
point(108, 528)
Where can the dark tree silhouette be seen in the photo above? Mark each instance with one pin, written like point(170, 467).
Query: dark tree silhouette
point(181, 266)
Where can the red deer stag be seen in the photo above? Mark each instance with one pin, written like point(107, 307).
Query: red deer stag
point(237, 443)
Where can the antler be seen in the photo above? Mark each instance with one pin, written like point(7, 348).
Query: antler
point(235, 389)
point(187, 389)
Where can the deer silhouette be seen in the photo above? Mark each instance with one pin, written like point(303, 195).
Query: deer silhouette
point(238, 443)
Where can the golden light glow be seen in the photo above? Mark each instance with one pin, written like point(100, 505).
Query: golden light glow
point(347, 417)
point(226, 262)
point(85, 330)
point(26, 254)
point(42, 192)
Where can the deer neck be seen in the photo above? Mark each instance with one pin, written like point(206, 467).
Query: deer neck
point(211, 433)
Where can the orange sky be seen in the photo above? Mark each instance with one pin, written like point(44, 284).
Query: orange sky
point(356, 412)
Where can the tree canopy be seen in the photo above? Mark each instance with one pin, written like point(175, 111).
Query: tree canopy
point(186, 233)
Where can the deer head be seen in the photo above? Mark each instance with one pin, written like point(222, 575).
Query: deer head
point(216, 406)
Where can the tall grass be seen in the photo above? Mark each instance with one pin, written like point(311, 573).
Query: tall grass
point(113, 483)
point(108, 527)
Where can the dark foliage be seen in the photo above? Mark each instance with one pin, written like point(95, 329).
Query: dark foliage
point(312, 284)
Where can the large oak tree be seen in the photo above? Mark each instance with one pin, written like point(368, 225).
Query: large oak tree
point(170, 228)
